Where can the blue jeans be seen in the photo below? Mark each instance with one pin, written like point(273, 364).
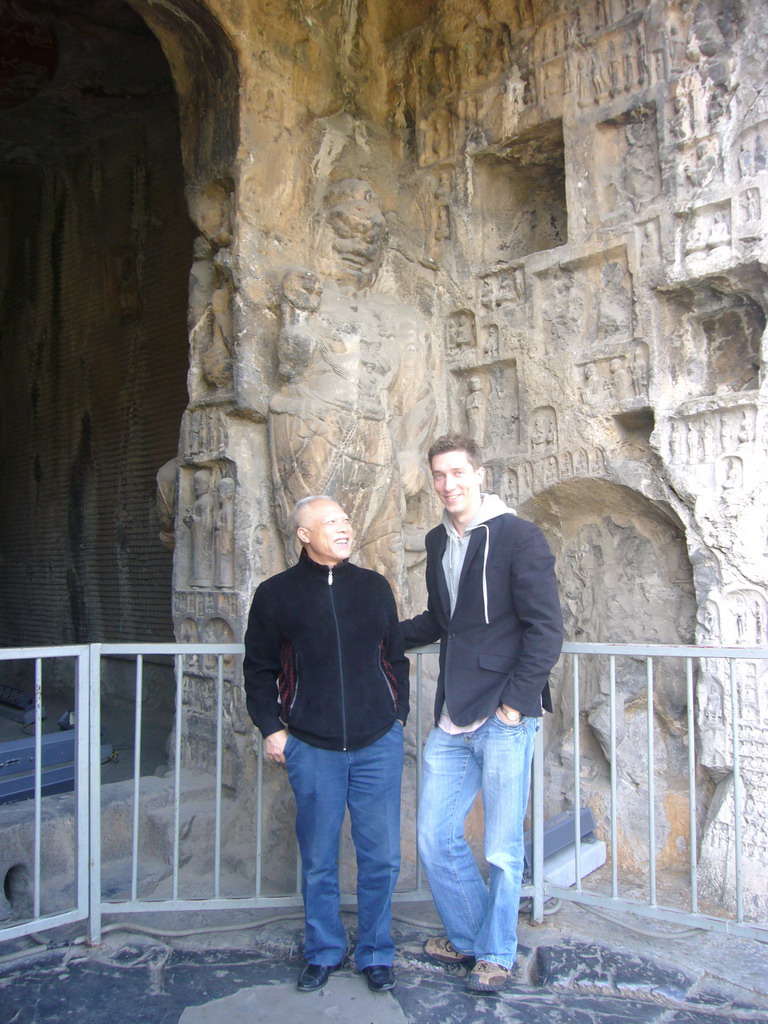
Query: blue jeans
point(479, 919)
point(324, 783)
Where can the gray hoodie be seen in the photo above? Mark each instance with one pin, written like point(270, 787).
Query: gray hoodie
point(456, 548)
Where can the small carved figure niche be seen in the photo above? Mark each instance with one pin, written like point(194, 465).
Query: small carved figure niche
point(520, 195)
point(208, 511)
point(503, 419)
point(460, 332)
point(733, 341)
point(626, 170)
point(543, 431)
point(476, 406)
point(752, 153)
point(715, 343)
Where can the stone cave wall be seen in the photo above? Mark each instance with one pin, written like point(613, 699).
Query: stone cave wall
point(540, 222)
point(571, 242)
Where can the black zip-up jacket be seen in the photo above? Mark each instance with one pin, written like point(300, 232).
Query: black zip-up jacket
point(324, 656)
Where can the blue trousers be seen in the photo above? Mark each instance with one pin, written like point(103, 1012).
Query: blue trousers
point(479, 919)
point(325, 783)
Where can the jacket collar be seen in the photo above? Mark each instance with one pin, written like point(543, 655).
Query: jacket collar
point(307, 564)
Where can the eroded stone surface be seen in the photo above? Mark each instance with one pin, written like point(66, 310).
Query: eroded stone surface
point(572, 238)
point(569, 262)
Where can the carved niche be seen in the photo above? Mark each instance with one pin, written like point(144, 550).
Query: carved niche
point(519, 195)
point(714, 328)
point(207, 510)
point(626, 168)
point(559, 309)
point(460, 332)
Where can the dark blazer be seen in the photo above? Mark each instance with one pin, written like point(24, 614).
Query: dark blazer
point(506, 631)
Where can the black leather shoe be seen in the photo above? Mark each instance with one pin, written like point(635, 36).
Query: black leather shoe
point(380, 979)
point(314, 976)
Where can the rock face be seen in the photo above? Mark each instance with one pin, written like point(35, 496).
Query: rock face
point(541, 223)
point(548, 225)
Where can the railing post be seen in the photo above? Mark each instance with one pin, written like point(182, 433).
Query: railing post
point(178, 727)
point(37, 855)
point(577, 770)
point(537, 827)
point(693, 841)
point(93, 725)
point(614, 780)
point(651, 758)
point(737, 800)
point(419, 759)
point(137, 740)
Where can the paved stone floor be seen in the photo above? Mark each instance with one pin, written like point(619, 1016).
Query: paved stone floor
point(577, 969)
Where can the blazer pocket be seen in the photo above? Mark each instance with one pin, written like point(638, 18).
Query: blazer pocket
point(496, 662)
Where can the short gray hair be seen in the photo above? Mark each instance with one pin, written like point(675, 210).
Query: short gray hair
point(303, 503)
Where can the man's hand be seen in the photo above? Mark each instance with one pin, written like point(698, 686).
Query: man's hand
point(274, 746)
point(508, 714)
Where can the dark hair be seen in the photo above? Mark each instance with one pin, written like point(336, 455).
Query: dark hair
point(457, 443)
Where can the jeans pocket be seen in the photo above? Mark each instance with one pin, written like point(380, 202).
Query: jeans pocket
point(505, 724)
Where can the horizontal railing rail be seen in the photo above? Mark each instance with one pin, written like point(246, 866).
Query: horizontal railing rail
point(190, 695)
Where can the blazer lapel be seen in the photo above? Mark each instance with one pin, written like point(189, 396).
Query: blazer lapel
point(476, 542)
point(443, 596)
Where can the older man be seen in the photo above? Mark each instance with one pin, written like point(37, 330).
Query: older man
point(494, 606)
point(326, 682)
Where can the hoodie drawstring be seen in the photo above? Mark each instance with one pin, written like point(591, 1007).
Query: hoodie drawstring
point(485, 563)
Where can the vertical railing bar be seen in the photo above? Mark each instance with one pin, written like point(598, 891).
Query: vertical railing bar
point(419, 763)
point(259, 809)
point(651, 785)
point(177, 773)
point(219, 756)
point(138, 710)
point(38, 784)
point(94, 792)
point(736, 791)
point(82, 787)
point(692, 830)
point(614, 780)
point(577, 772)
point(537, 828)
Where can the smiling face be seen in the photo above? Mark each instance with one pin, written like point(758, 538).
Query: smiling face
point(458, 485)
point(325, 532)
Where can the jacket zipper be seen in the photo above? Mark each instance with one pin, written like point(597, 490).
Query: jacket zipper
point(341, 667)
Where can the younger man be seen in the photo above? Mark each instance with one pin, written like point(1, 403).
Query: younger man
point(493, 605)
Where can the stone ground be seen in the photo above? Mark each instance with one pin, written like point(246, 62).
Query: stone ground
point(577, 968)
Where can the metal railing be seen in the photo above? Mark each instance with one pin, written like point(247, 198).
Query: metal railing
point(114, 823)
point(22, 845)
point(709, 666)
